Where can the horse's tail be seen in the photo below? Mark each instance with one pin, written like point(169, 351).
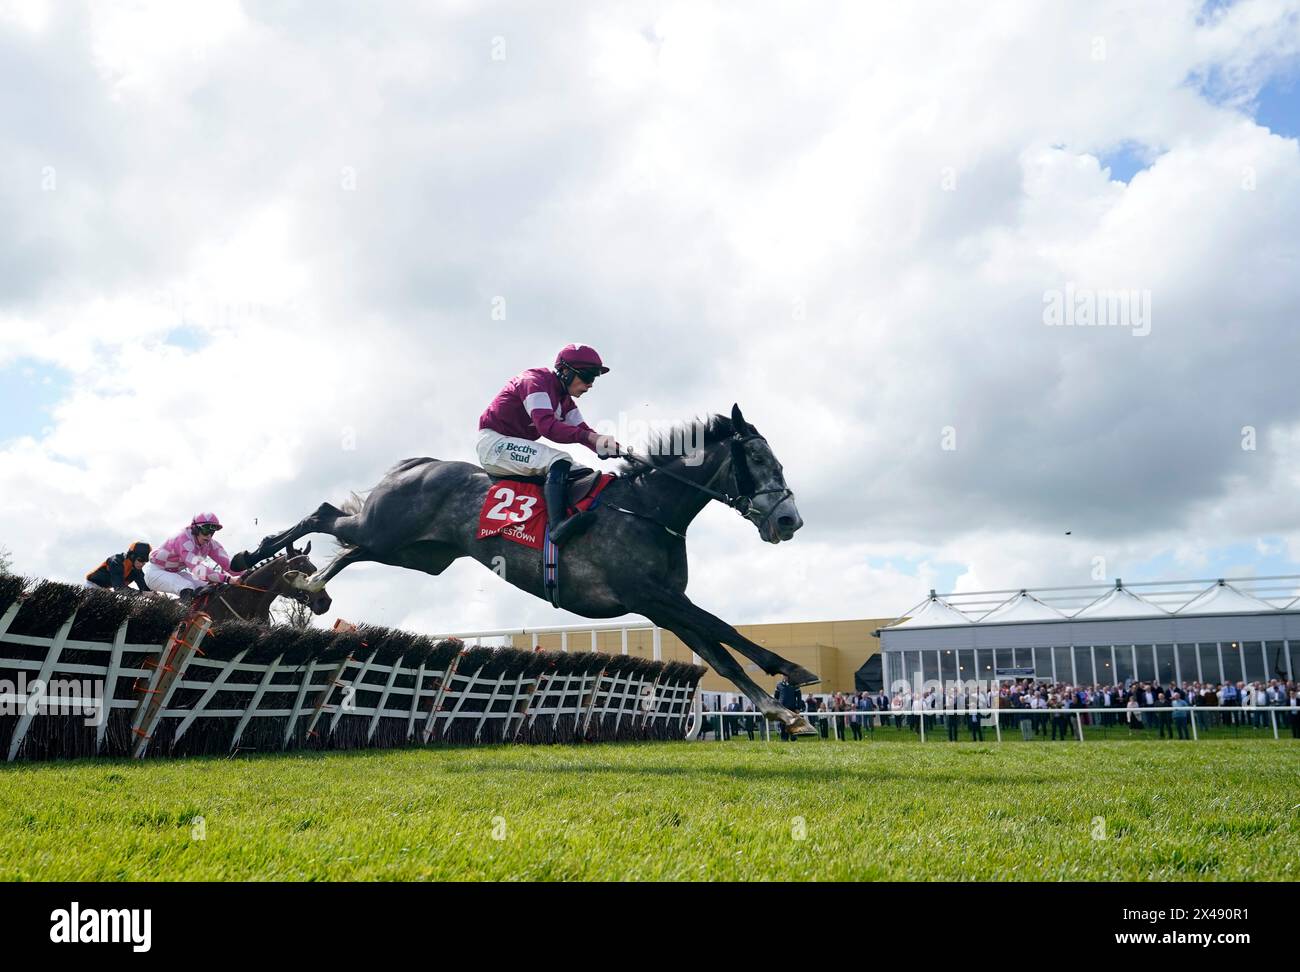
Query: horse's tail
point(352, 506)
point(355, 502)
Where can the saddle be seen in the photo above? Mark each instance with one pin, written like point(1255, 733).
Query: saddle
point(581, 482)
point(583, 493)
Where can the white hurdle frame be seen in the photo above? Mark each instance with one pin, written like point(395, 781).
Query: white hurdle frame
point(622, 704)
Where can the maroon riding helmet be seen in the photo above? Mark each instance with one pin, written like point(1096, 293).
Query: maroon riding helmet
point(580, 360)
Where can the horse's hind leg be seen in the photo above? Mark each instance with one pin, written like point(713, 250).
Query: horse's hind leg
point(324, 520)
point(428, 556)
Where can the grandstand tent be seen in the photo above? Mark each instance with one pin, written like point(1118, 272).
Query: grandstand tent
point(1244, 629)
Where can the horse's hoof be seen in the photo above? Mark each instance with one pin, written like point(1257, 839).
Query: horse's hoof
point(801, 676)
point(801, 727)
point(296, 578)
point(266, 549)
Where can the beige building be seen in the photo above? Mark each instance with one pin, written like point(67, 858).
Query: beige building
point(832, 649)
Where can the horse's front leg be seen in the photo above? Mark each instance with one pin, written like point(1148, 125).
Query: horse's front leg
point(718, 630)
point(726, 666)
point(665, 609)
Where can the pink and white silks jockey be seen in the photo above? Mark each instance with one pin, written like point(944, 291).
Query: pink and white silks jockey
point(182, 563)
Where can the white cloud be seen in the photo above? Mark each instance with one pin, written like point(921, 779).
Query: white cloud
point(845, 222)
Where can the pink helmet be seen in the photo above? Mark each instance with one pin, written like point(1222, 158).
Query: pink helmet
point(580, 357)
point(201, 518)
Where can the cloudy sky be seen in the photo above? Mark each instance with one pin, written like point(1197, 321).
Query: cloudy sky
point(252, 253)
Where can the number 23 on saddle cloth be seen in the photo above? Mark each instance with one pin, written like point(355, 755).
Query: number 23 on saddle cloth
point(515, 509)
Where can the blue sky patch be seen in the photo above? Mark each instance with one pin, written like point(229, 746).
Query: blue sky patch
point(28, 393)
point(1221, 562)
point(1277, 107)
point(947, 572)
point(1211, 10)
point(1126, 161)
point(186, 337)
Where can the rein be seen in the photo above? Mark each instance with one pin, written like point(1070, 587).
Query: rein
point(296, 595)
point(735, 502)
point(742, 502)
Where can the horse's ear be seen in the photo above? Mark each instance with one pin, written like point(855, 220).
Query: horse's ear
point(307, 549)
point(737, 420)
point(290, 551)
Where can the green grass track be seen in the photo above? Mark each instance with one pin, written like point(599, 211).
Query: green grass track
point(739, 810)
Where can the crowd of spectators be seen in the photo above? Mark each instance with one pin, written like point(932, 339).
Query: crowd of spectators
point(1052, 711)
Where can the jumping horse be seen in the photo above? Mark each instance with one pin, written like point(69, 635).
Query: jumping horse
point(424, 516)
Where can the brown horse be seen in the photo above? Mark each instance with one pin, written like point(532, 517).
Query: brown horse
point(251, 597)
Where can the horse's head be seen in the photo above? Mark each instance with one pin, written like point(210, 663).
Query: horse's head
point(297, 560)
point(759, 478)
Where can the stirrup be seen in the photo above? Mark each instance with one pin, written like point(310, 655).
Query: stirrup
point(574, 526)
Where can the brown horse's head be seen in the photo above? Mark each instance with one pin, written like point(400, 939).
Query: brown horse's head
point(292, 559)
point(251, 598)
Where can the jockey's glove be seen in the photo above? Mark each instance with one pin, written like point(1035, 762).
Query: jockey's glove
point(607, 446)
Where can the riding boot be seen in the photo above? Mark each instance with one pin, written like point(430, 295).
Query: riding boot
point(556, 493)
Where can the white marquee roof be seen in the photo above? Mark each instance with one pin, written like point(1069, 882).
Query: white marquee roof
point(1022, 607)
point(1163, 599)
point(1223, 598)
point(1120, 602)
point(934, 613)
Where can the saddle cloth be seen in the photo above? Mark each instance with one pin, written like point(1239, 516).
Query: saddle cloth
point(581, 481)
point(514, 507)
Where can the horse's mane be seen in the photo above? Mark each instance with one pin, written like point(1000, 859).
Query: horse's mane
point(662, 448)
point(665, 444)
point(406, 464)
point(267, 562)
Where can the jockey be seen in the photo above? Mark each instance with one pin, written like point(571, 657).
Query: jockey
point(180, 565)
point(122, 570)
point(540, 402)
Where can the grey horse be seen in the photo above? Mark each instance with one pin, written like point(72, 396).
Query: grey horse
point(424, 516)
